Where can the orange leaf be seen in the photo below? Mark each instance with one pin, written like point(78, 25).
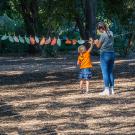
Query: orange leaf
point(32, 40)
point(42, 41)
point(68, 42)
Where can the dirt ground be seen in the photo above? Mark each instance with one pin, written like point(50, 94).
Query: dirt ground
point(41, 96)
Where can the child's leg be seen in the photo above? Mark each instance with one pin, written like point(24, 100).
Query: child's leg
point(81, 84)
point(87, 86)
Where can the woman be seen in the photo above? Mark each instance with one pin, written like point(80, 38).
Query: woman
point(107, 56)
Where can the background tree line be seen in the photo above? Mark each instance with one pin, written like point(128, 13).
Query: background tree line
point(53, 17)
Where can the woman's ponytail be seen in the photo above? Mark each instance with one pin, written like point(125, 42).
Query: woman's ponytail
point(109, 34)
point(103, 26)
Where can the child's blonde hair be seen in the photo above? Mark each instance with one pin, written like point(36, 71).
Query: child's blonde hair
point(81, 49)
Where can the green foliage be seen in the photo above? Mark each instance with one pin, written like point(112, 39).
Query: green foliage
point(59, 17)
point(123, 10)
point(122, 45)
point(7, 47)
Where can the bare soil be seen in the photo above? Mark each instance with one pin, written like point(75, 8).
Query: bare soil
point(41, 96)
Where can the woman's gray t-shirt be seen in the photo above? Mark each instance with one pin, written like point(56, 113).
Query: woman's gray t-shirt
point(107, 42)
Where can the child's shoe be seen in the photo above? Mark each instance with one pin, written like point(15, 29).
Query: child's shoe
point(82, 91)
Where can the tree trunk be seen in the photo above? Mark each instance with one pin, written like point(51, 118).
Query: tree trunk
point(89, 29)
point(29, 10)
point(81, 27)
point(90, 14)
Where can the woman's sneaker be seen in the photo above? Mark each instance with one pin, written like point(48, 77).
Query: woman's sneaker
point(106, 92)
point(112, 90)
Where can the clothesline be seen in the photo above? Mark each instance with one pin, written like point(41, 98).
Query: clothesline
point(85, 40)
point(122, 34)
point(44, 41)
point(66, 37)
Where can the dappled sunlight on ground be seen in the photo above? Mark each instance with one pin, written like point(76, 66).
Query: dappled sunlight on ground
point(42, 96)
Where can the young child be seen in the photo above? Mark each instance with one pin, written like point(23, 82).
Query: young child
point(85, 63)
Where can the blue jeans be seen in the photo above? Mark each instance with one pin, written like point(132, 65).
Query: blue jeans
point(107, 64)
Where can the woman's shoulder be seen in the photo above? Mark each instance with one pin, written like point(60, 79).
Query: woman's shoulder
point(107, 33)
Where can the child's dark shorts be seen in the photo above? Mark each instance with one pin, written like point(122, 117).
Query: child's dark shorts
point(85, 74)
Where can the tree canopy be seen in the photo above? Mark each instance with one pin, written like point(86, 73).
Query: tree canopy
point(55, 17)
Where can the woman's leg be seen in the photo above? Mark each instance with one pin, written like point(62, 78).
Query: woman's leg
point(111, 74)
point(104, 60)
point(104, 69)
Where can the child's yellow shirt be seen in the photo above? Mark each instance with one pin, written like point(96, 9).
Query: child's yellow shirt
point(85, 60)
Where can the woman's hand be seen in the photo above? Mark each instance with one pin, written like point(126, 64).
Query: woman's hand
point(96, 41)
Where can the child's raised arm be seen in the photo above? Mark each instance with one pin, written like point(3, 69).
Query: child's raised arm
point(91, 44)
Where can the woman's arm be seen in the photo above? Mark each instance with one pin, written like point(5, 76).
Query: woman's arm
point(98, 43)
